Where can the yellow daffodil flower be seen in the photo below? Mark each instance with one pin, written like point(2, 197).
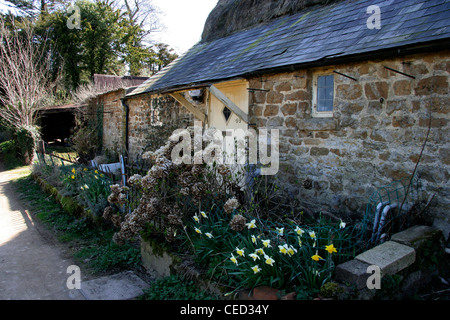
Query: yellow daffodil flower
point(316, 257)
point(209, 235)
point(299, 241)
point(254, 256)
point(269, 260)
point(291, 251)
point(73, 177)
point(251, 224)
point(73, 170)
point(85, 169)
point(195, 217)
point(299, 231)
point(283, 249)
point(96, 171)
point(330, 248)
point(233, 259)
point(312, 234)
point(260, 251)
point(240, 252)
point(253, 239)
point(280, 231)
point(198, 230)
point(203, 214)
point(266, 243)
point(256, 269)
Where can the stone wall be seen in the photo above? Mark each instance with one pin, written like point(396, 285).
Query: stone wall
point(151, 120)
point(113, 121)
point(375, 136)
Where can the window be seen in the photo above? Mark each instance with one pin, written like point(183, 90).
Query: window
point(323, 95)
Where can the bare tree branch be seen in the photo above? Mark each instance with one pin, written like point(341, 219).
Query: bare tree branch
point(24, 82)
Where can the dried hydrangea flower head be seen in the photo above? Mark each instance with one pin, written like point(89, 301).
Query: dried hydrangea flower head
point(230, 205)
point(238, 223)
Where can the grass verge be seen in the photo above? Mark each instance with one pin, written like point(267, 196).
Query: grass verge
point(91, 245)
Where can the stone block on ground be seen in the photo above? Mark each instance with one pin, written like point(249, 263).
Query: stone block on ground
point(121, 286)
point(417, 236)
point(390, 256)
point(353, 272)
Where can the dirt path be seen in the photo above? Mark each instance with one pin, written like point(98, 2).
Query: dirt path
point(33, 266)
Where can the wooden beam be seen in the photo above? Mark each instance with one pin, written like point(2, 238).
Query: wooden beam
point(197, 113)
point(230, 104)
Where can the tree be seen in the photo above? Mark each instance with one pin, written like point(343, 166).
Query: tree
point(25, 80)
point(81, 53)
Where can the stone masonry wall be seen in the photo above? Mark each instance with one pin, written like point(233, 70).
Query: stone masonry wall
point(113, 121)
point(375, 136)
point(145, 125)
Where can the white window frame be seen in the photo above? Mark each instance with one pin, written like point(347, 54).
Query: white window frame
point(322, 114)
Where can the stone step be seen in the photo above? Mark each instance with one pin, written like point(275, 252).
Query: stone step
point(390, 256)
point(121, 286)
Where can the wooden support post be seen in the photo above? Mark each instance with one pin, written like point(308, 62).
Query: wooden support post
point(230, 104)
point(197, 113)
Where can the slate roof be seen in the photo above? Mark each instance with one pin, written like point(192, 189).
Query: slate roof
point(314, 34)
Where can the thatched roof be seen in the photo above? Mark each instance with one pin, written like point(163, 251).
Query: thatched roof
point(230, 16)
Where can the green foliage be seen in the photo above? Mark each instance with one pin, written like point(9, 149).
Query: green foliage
point(110, 256)
point(9, 154)
point(175, 288)
point(281, 255)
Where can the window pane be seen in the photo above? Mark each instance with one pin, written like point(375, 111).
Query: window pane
point(329, 81)
point(321, 81)
point(325, 93)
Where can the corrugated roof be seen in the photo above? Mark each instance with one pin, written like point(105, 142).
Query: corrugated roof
point(335, 30)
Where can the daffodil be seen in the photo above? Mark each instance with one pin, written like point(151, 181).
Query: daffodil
point(254, 256)
point(312, 234)
point(299, 241)
point(316, 257)
point(86, 186)
point(260, 251)
point(209, 235)
point(240, 252)
point(266, 243)
point(253, 239)
point(233, 259)
point(342, 225)
point(280, 231)
point(256, 269)
point(269, 260)
point(73, 170)
point(198, 230)
point(299, 231)
point(96, 171)
point(330, 248)
point(291, 251)
point(195, 217)
point(73, 177)
point(283, 249)
point(203, 214)
point(251, 224)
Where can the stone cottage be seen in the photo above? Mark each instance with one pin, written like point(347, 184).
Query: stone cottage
point(355, 87)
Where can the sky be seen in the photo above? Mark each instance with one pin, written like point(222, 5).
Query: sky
point(183, 20)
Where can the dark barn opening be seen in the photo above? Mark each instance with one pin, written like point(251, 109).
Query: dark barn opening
point(57, 123)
